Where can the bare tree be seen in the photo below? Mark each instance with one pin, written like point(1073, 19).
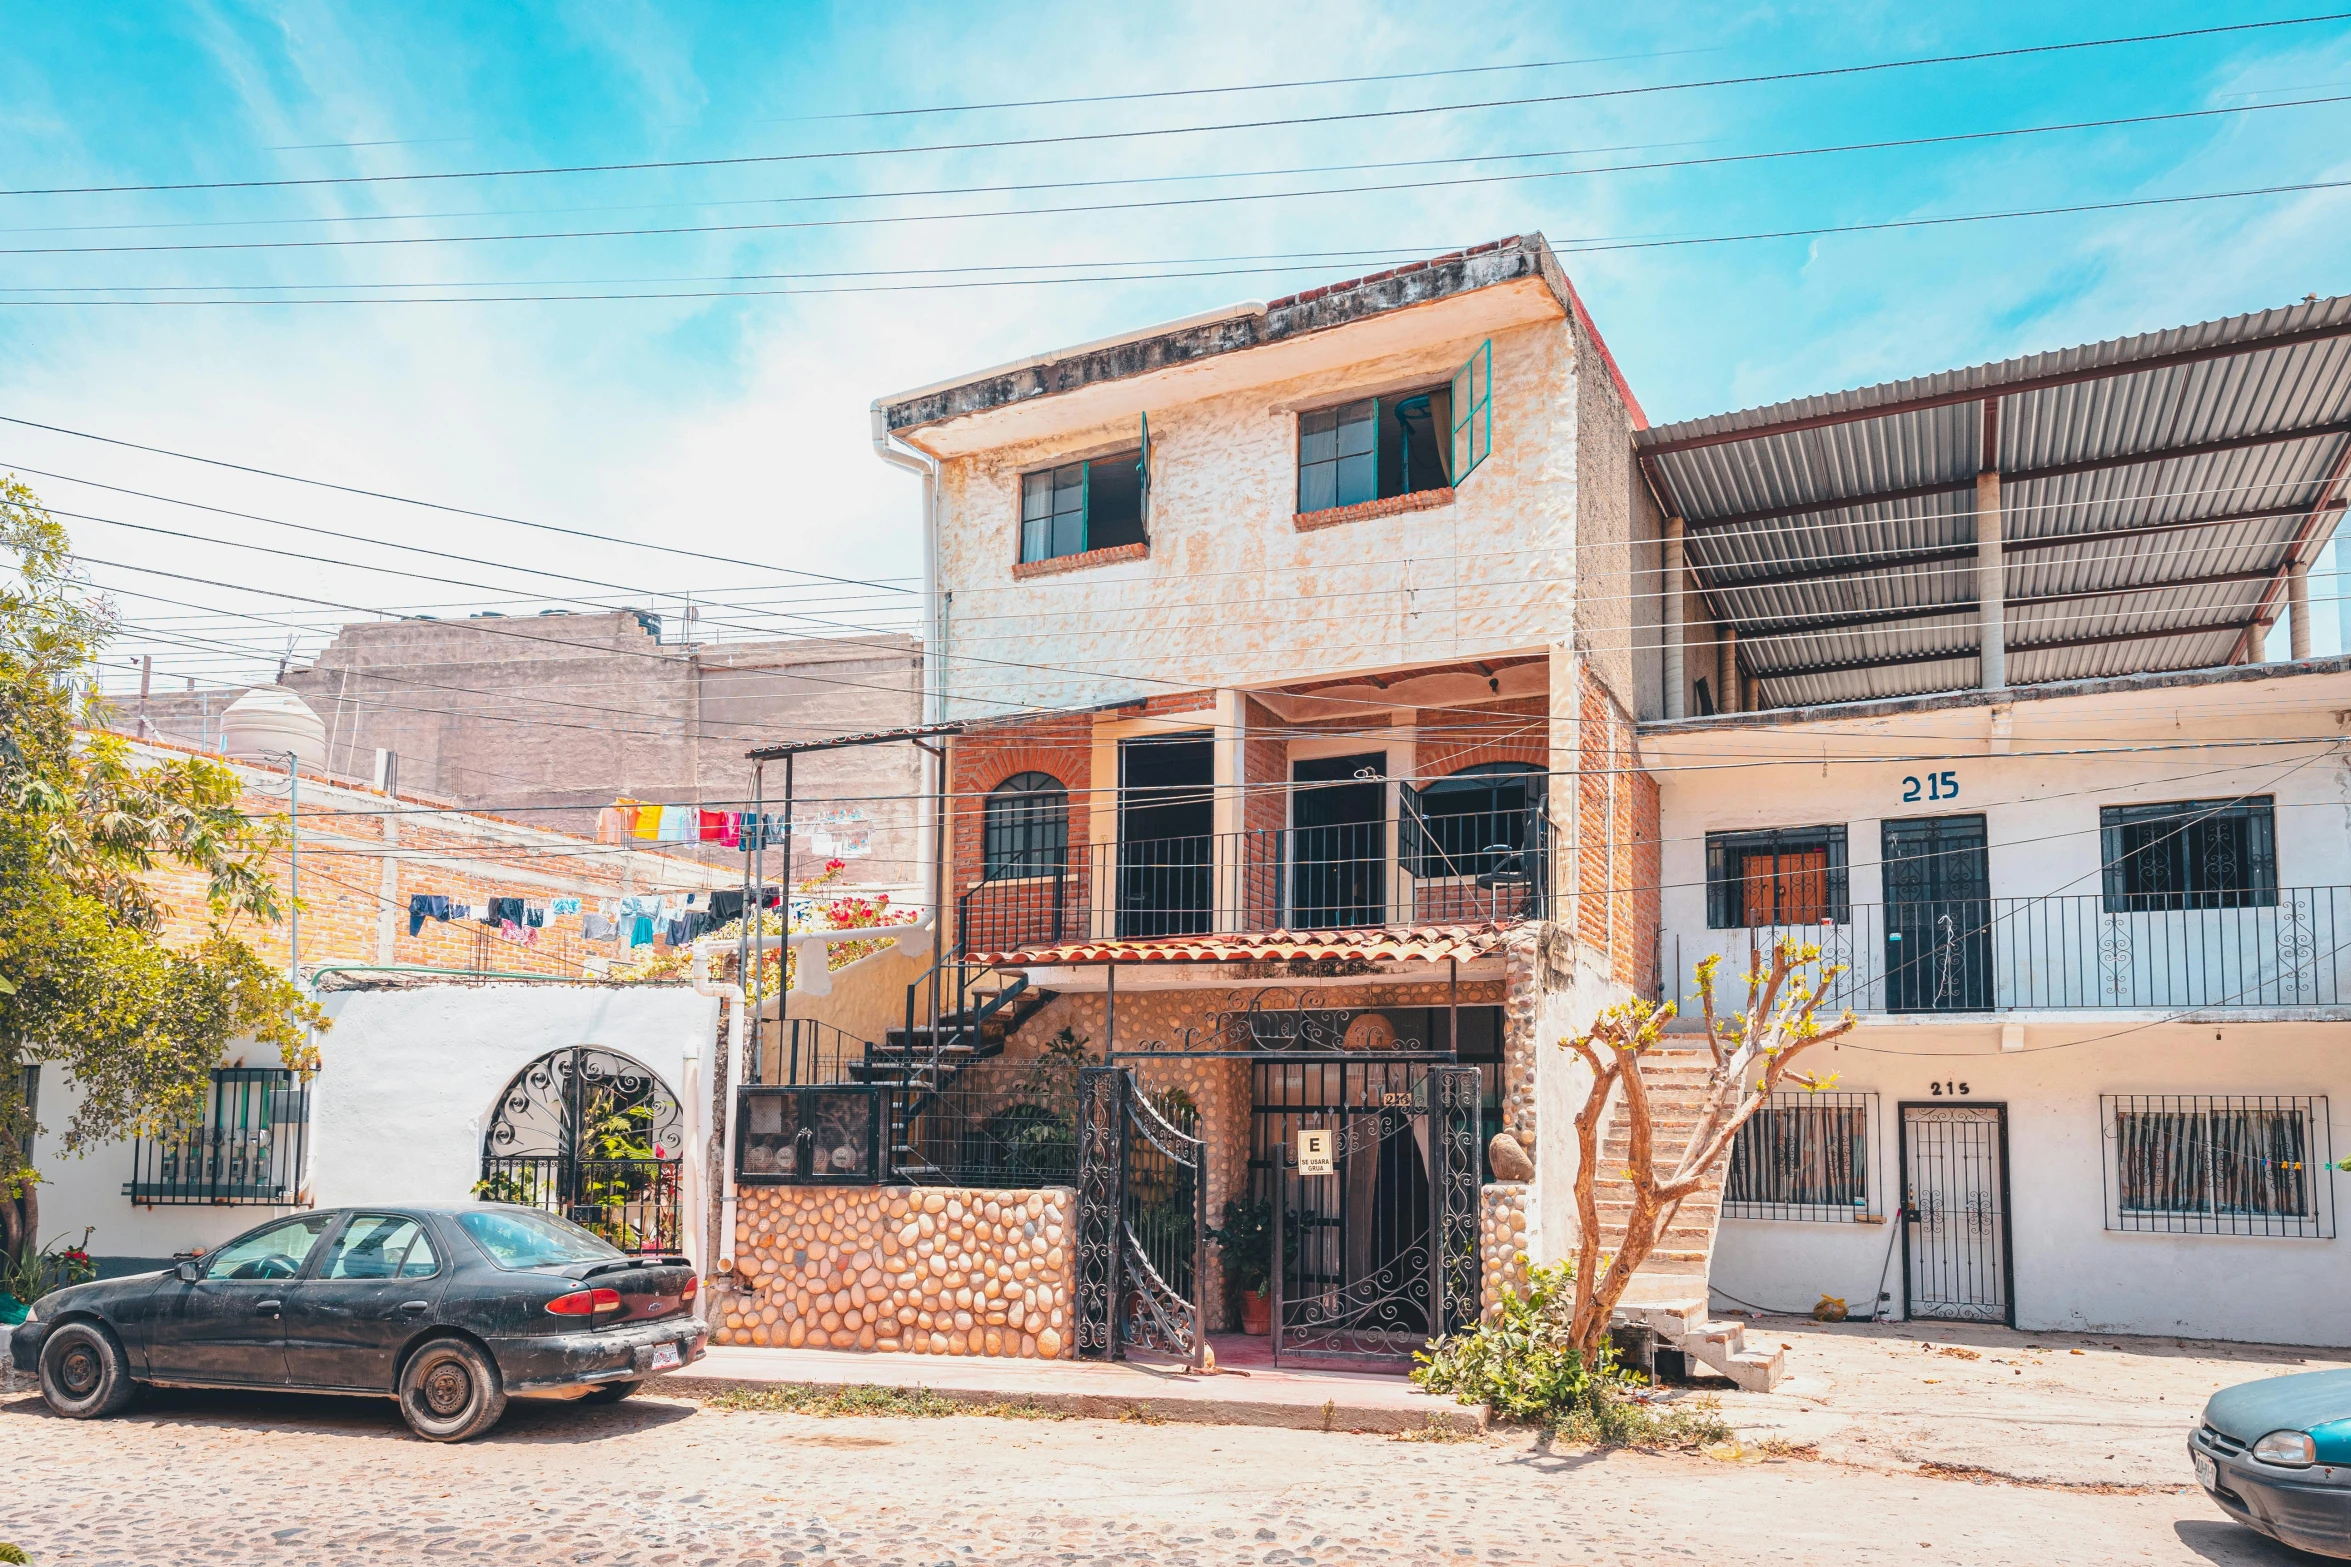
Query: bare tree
point(1753, 1054)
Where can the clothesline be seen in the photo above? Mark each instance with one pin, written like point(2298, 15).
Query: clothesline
point(639, 920)
point(838, 833)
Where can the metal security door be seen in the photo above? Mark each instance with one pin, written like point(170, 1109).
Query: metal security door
point(1380, 1256)
point(1938, 915)
point(1955, 1258)
point(1142, 1221)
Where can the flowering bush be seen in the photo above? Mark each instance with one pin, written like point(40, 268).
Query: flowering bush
point(846, 910)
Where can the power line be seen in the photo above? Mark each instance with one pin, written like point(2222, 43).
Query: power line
point(1662, 165)
point(459, 511)
point(1354, 116)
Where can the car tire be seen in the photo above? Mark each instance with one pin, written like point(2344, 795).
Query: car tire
point(450, 1391)
point(84, 1373)
point(610, 1392)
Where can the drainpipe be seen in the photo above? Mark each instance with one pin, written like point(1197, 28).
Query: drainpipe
point(930, 872)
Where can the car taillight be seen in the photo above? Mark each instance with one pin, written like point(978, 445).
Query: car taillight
point(693, 1288)
point(585, 1303)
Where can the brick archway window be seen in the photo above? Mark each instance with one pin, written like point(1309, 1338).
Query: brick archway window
point(1025, 830)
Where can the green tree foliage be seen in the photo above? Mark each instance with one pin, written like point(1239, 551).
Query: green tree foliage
point(133, 1000)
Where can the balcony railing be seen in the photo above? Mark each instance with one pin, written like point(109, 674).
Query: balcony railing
point(1438, 871)
point(2056, 953)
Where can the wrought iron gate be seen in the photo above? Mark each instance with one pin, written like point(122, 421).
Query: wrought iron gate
point(1955, 1259)
point(1142, 1221)
point(594, 1136)
point(1381, 1255)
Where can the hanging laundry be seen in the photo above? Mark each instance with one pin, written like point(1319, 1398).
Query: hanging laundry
point(423, 906)
point(534, 916)
point(730, 832)
point(645, 821)
point(562, 906)
point(598, 927)
point(503, 911)
point(713, 825)
point(641, 931)
point(725, 906)
point(520, 935)
point(676, 824)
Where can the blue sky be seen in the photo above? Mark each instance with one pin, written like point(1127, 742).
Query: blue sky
point(736, 426)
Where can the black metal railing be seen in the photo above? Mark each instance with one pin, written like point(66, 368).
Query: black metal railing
point(247, 1150)
point(2074, 951)
point(633, 1203)
point(998, 1124)
point(805, 1052)
point(1342, 876)
point(1803, 1156)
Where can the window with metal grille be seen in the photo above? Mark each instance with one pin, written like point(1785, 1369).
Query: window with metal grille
point(246, 1150)
point(1025, 828)
point(1081, 506)
point(2190, 854)
point(1782, 876)
point(1803, 1156)
point(2213, 1164)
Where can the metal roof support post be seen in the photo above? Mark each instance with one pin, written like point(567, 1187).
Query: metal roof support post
point(1991, 581)
point(1727, 674)
point(1677, 578)
point(2298, 607)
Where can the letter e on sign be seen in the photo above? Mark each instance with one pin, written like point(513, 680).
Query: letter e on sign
point(1314, 1153)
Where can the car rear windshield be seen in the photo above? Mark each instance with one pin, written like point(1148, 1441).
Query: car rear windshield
point(526, 1238)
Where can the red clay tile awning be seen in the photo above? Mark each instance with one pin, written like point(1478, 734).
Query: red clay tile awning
point(1407, 944)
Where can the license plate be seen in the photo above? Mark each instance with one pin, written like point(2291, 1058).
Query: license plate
point(2206, 1471)
point(665, 1358)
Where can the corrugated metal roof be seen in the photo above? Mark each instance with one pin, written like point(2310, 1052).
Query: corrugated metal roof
point(1813, 524)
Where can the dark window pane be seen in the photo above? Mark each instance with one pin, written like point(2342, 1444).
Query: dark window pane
point(1025, 828)
point(2190, 854)
point(1114, 500)
point(1358, 480)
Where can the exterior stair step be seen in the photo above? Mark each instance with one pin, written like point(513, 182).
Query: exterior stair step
point(1684, 1323)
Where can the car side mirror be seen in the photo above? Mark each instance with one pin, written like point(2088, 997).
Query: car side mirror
point(190, 1271)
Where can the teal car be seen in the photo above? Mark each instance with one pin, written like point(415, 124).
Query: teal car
point(2276, 1456)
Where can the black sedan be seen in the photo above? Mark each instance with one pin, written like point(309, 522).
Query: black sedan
point(449, 1309)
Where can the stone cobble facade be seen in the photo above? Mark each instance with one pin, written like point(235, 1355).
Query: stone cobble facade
point(1504, 1239)
point(929, 1270)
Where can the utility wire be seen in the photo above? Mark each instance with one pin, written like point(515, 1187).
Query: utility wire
point(1349, 117)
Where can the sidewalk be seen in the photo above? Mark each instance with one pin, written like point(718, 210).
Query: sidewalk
point(1252, 1392)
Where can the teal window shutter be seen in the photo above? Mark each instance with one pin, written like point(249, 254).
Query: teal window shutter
point(1473, 411)
point(1143, 476)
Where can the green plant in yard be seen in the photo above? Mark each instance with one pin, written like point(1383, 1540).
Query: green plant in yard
point(1245, 1240)
point(12, 1553)
point(1522, 1364)
point(35, 1273)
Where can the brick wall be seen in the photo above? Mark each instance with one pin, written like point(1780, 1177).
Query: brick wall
point(1062, 746)
point(343, 852)
point(1617, 846)
point(1452, 738)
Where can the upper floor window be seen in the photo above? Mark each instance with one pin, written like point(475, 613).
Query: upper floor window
point(2190, 854)
point(1081, 506)
point(1025, 827)
point(1476, 822)
point(1378, 447)
point(1781, 876)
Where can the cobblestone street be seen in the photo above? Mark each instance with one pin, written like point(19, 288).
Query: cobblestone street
point(205, 1478)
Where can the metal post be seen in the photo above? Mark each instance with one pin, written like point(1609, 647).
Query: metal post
point(1676, 618)
point(1991, 573)
point(1453, 1007)
point(1109, 1013)
point(2298, 609)
point(294, 868)
point(1281, 1164)
point(784, 926)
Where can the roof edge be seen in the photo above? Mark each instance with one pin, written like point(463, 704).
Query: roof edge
point(1945, 701)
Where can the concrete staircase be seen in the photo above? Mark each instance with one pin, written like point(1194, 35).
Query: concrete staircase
point(1668, 1296)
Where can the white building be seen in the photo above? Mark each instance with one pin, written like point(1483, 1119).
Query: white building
point(2007, 759)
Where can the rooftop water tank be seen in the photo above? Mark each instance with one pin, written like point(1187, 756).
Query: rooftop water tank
point(267, 722)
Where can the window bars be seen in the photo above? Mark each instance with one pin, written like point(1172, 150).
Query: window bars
point(1804, 1156)
point(2190, 854)
point(2218, 1164)
point(1024, 828)
point(245, 1152)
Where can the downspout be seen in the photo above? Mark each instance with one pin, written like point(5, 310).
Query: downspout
point(930, 871)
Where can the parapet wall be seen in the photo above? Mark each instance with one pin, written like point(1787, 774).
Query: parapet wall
point(927, 1270)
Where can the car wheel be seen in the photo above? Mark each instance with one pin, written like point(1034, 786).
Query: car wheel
point(84, 1373)
point(610, 1392)
point(450, 1390)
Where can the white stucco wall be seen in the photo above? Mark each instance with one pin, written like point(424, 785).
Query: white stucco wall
point(1232, 593)
point(411, 1078)
point(2070, 1271)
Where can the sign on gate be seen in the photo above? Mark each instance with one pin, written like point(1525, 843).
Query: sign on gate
point(1314, 1153)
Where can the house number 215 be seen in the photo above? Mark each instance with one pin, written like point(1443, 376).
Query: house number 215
point(1955, 1089)
point(1937, 786)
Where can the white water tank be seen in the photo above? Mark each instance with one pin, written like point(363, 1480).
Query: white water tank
point(267, 722)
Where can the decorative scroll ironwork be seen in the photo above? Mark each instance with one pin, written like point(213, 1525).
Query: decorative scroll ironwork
point(1101, 1218)
point(1286, 1020)
point(1142, 1220)
point(1381, 1255)
point(592, 1135)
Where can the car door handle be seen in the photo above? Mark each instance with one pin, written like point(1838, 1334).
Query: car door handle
point(268, 1308)
point(415, 1307)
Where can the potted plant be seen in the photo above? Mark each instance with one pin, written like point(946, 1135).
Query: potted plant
point(1245, 1241)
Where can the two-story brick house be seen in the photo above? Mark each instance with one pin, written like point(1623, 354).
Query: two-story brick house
point(1273, 633)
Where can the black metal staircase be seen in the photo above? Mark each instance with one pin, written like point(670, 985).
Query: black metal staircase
point(957, 1014)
